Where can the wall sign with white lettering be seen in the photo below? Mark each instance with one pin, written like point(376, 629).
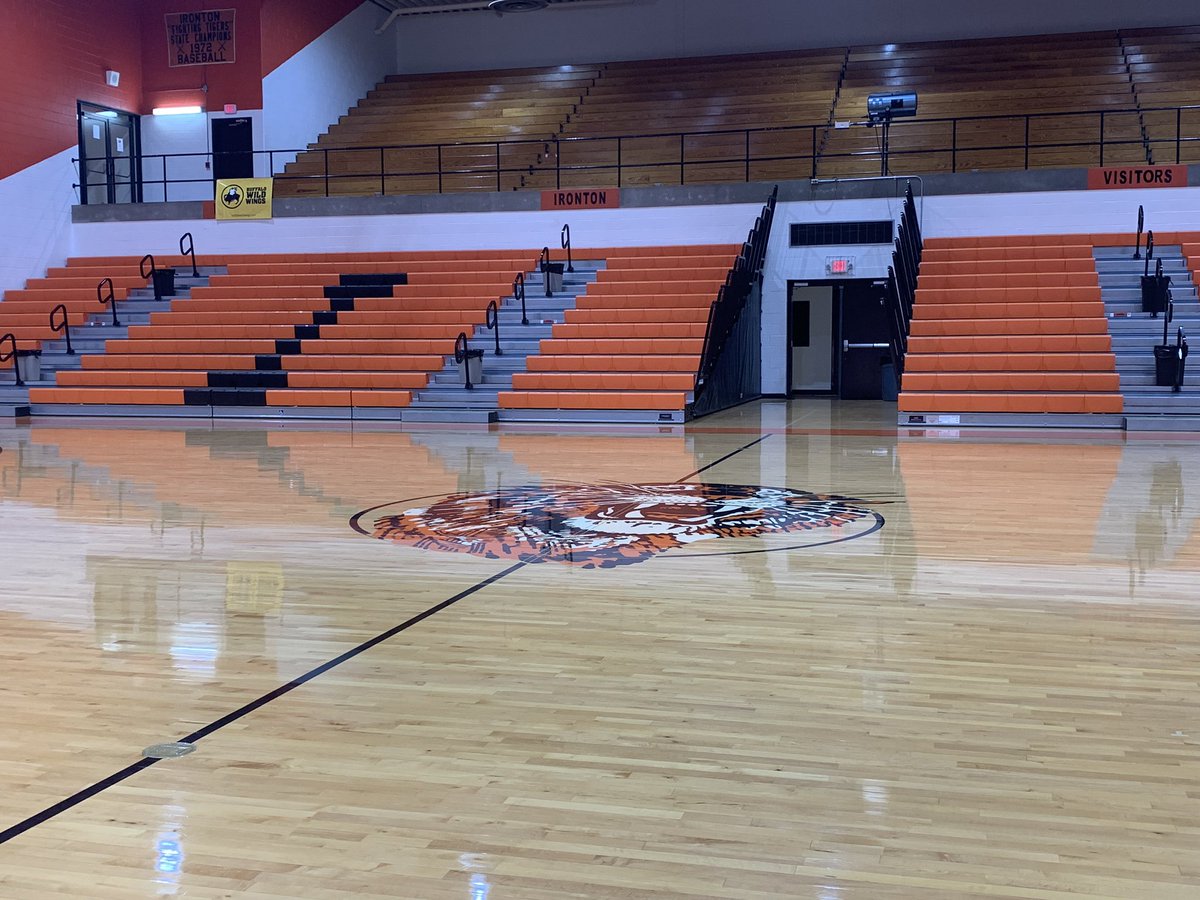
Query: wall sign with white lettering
point(204, 38)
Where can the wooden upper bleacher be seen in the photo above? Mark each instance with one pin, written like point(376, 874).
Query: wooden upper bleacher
point(559, 126)
point(1165, 66)
point(989, 77)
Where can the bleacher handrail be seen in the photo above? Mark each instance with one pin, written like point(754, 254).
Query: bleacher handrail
point(190, 251)
point(491, 320)
point(11, 339)
point(519, 294)
point(107, 297)
point(746, 159)
point(565, 241)
point(63, 325)
point(902, 280)
point(741, 279)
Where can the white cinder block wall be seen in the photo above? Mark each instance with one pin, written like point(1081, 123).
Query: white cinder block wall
point(310, 91)
point(35, 230)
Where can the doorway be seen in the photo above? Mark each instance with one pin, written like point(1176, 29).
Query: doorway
point(838, 338)
point(811, 346)
point(109, 157)
point(233, 148)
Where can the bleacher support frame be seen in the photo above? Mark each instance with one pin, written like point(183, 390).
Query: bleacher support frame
point(730, 370)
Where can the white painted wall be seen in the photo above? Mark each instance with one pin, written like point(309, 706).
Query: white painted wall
point(324, 80)
point(35, 227)
point(656, 29)
point(189, 135)
point(444, 231)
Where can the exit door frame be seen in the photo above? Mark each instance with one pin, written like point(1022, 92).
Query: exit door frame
point(135, 154)
point(835, 335)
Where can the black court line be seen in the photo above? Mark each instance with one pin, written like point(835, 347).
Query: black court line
point(725, 457)
point(117, 777)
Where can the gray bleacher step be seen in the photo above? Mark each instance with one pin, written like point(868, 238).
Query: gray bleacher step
point(1162, 423)
point(21, 411)
point(455, 415)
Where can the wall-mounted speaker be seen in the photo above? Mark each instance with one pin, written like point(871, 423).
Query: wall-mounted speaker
point(111, 78)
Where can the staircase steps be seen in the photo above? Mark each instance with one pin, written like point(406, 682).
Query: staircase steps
point(1135, 334)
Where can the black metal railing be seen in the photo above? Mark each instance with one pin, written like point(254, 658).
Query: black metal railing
point(962, 143)
point(11, 340)
point(729, 371)
point(519, 294)
point(62, 325)
point(188, 248)
point(107, 297)
point(491, 320)
point(902, 281)
point(565, 241)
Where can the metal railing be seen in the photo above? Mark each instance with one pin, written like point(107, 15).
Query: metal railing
point(491, 320)
point(107, 297)
point(1001, 142)
point(187, 248)
point(11, 339)
point(722, 379)
point(902, 281)
point(62, 325)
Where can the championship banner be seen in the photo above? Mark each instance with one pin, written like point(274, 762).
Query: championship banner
point(244, 198)
point(205, 38)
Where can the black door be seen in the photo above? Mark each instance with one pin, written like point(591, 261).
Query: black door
point(233, 148)
point(864, 323)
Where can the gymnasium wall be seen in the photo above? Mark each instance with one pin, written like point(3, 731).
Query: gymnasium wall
point(55, 54)
point(321, 81)
point(659, 29)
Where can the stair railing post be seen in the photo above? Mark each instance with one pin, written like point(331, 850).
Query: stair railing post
point(492, 320)
point(566, 245)
point(64, 326)
point(106, 295)
point(189, 250)
point(544, 267)
point(462, 356)
point(519, 294)
point(1149, 252)
point(1137, 249)
point(12, 354)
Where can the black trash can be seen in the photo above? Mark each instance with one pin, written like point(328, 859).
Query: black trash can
point(1169, 361)
point(553, 273)
point(1155, 291)
point(470, 370)
point(164, 283)
point(29, 364)
point(889, 390)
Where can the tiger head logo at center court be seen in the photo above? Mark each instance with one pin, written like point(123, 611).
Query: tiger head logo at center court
point(607, 525)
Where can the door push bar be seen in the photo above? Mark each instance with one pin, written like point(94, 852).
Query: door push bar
point(846, 345)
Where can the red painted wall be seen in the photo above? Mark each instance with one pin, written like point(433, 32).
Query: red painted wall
point(290, 25)
point(238, 82)
point(55, 53)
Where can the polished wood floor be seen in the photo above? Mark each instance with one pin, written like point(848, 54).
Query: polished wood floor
point(995, 695)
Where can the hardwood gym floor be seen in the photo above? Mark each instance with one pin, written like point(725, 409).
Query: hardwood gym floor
point(993, 695)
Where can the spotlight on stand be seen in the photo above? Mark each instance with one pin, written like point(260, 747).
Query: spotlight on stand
point(881, 110)
point(885, 107)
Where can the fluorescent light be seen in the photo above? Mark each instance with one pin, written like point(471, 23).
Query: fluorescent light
point(107, 113)
point(176, 110)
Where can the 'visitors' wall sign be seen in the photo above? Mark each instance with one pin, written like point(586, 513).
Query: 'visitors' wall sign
point(1116, 178)
point(204, 38)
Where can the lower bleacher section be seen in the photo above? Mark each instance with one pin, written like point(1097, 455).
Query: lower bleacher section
point(360, 335)
point(633, 341)
point(1010, 326)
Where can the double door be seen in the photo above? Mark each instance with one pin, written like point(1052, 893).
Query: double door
point(838, 334)
point(108, 155)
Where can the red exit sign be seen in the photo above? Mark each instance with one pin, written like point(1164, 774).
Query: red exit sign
point(839, 265)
